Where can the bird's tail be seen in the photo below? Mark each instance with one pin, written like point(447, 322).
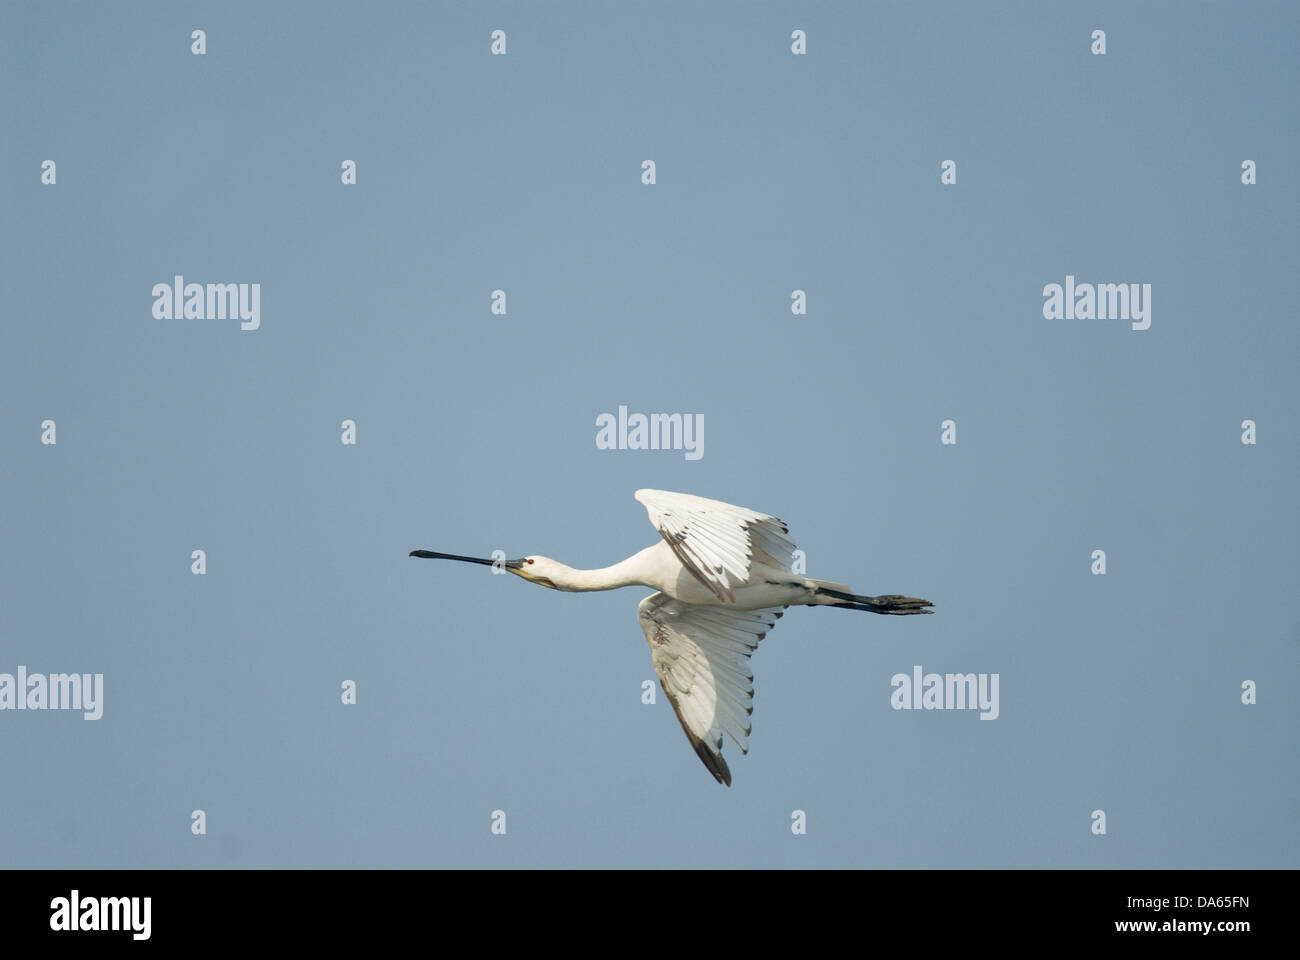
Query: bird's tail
point(836, 595)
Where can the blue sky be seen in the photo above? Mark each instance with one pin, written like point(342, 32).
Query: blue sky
point(476, 432)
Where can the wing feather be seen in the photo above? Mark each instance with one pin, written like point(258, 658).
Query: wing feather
point(701, 654)
point(718, 542)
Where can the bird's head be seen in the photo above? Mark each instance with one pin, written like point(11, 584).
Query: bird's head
point(533, 569)
point(540, 570)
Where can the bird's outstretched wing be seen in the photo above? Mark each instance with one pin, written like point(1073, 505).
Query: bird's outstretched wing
point(701, 654)
point(716, 541)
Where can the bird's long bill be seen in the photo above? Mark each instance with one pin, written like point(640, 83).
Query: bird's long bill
point(430, 555)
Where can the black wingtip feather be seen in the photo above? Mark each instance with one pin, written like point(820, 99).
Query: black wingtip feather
point(712, 761)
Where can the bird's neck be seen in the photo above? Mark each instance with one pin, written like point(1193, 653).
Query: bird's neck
point(626, 573)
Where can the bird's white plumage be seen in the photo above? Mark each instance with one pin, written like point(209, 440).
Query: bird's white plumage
point(717, 542)
point(723, 574)
point(701, 654)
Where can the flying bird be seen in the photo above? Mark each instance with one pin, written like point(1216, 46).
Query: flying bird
point(724, 575)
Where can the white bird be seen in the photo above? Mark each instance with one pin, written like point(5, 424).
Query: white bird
point(724, 575)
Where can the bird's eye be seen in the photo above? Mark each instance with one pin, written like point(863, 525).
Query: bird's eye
point(527, 560)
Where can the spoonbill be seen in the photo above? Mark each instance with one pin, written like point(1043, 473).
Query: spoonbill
point(724, 575)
